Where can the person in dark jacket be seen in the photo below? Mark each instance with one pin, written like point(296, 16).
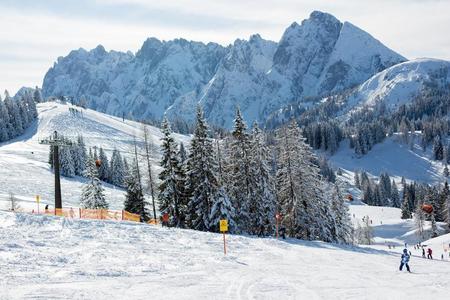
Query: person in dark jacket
point(430, 253)
point(405, 260)
point(423, 252)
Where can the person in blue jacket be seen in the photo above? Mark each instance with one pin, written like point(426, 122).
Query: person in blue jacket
point(405, 260)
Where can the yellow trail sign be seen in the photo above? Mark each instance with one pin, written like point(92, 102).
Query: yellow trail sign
point(38, 198)
point(223, 224)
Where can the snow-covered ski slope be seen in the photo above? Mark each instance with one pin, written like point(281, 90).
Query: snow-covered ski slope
point(24, 168)
point(395, 158)
point(43, 257)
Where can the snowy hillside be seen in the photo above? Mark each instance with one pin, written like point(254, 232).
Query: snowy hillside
point(320, 56)
point(393, 157)
point(24, 168)
point(397, 85)
point(48, 257)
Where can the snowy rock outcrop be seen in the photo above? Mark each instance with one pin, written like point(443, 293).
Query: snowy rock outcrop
point(317, 57)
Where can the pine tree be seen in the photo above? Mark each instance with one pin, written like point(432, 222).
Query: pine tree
point(37, 97)
point(4, 122)
point(103, 170)
point(342, 228)
point(67, 166)
point(117, 169)
point(438, 150)
point(134, 198)
point(406, 212)
point(446, 171)
point(239, 185)
point(202, 182)
point(171, 185)
point(80, 156)
point(92, 195)
point(263, 200)
point(434, 229)
point(357, 182)
point(395, 196)
point(221, 209)
point(300, 188)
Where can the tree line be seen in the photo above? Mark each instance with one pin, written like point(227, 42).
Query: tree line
point(16, 115)
point(247, 177)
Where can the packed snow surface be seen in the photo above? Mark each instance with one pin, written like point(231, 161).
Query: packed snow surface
point(43, 257)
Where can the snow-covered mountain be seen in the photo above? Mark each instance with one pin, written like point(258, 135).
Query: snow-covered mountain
point(319, 56)
point(396, 85)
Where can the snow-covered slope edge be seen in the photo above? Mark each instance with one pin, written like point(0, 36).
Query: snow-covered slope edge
point(44, 257)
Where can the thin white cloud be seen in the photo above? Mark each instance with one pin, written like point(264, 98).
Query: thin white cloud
point(37, 32)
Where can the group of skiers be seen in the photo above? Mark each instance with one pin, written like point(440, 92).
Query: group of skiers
point(407, 254)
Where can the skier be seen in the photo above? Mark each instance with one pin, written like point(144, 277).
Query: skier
point(423, 252)
point(430, 252)
point(405, 260)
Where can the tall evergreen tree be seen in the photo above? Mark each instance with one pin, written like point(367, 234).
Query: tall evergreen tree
point(171, 185)
point(221, 209)
point(103, 169)
point(300, 188)
point(239, 185)
point(342, 228)
point(134, 198)
point(92, 195)
point(202, 182)
point(263, 200)
point(117, 169)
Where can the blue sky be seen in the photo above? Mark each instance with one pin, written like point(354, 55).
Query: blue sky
point(34, 33)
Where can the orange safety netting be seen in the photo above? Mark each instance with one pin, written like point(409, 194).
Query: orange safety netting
point(130, 217)
point(96, 214)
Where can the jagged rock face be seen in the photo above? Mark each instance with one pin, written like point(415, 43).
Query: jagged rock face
point(320, 56)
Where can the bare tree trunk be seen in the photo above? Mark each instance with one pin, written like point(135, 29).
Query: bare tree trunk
point(150, 173)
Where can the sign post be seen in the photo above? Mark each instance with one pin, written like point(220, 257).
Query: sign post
point(38, 199)
point(277, 217)
point(223, 227)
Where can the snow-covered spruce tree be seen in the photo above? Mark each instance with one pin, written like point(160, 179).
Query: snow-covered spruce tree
point(357, 182)
point(239, 183)
point(4, 122)
point(221, 209)
point(16, 125)
point(117, 171)
point(80, 156)
point(37, 96)
point(263, 200)
point(434, 229)
point(67, 163)
point(171, 187)
point(92, 195)
point(134, 199)
point(300, 188)
point(342, 227)
point(395, 196)
point(103, 170)
point(438, 148)
point(406, 212)
point(202, 182)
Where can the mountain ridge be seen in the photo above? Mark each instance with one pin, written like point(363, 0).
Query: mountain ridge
point(260, 76)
